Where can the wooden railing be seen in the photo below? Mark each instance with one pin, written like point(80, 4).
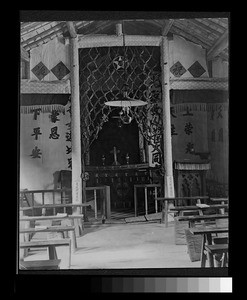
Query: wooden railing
point(65, 196)
point(146, 187)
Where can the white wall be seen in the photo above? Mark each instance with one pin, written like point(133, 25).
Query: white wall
point(37, 173)
point(219, 68)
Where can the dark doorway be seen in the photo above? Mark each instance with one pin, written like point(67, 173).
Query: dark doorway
point(125, 137)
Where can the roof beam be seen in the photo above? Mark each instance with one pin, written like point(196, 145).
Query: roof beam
point(24, 54)
point(71, 29)
point(192, 38)
point(166, 27)
point(204, 27)
point(218, 46)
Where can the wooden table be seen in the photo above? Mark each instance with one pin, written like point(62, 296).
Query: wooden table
point(166, 200)
point(50, 245)
point(53, 229)
point(180, 209)
point(40, 264)
point(207, 233)
point(54, 206)
point(221, 200)
point(52, 218)
point(193, 219)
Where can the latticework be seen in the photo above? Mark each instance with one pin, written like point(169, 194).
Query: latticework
point(103, 73)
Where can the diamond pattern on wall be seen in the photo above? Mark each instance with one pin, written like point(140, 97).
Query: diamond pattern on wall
point(40, 70)
point(60, 70)
point(177, 69)
point(196, 70)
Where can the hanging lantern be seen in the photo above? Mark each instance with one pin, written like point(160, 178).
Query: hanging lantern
point(125, 101)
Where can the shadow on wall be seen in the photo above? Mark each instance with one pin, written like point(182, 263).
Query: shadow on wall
point(57, 180)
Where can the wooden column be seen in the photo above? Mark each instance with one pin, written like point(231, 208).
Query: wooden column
point(168, 177)
point(75, 123)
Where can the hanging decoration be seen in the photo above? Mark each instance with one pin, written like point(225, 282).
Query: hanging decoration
point(124, 101)
point(102, 81)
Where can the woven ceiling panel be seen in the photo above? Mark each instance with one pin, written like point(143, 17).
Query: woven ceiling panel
point(103, 72)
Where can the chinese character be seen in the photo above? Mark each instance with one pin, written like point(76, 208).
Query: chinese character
point(156, 158)
point(68, 136)
point(36, 112)
point(68, 149)
point(70, 163)
point(220, 136)
point(36, 153)
point(172, 112)
point(69, 125)
point(189, 148)
point(174, 130)
point(219, 113)
point(54, 135)
point(36, 132)
point(187, 112)
point(188, 128)
point(69, 110)
point(53, 116)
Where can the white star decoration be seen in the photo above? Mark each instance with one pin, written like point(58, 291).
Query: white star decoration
point(119, 62)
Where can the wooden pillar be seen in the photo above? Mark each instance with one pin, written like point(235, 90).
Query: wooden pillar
point(75, 124)
point(108, 202)
point(168, 177)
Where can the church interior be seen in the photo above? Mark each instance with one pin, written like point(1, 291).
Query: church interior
point(116, 117)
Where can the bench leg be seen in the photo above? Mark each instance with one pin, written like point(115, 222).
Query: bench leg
point(203, 255)
point(52, 252)
point(69, 255)
point(72, 236)
point(224, 263)
point(218, 260)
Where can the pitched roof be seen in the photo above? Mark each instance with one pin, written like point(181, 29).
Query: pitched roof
point(210, 33)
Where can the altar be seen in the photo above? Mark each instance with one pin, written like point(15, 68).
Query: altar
point(121, 179)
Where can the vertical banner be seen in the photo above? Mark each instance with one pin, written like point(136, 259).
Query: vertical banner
point(44, 145)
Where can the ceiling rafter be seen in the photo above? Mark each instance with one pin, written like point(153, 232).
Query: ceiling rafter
point(194, 31)
point(25, 54)
point(34, 28)
point(27, 26)
point(100, 26)
point(218, 46)
point(44, 39)
point(71, 29)
point(204, 27)
point(167, 26)
point(44, 34)
point(198, 39)
point(215, 24)
point(176, 30)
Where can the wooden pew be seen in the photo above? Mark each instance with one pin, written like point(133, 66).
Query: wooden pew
point(217, 251)
point(40, 265)
point(193, 219)
point(175, 200)
point(50, 244)
point(61, 229)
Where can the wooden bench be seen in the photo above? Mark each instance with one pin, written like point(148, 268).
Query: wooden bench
point(40, 265)
point(61, 229)
point(208, 219)
point(72, 218)
point(50, 244)
point(217, 251)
